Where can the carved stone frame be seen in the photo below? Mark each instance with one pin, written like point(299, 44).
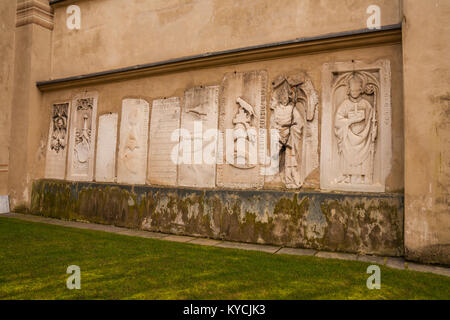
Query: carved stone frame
point(384, 138)
point(223, 169)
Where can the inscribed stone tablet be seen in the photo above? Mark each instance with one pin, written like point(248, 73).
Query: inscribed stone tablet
point(162, 170)
point(199, 117)
point(105, 164)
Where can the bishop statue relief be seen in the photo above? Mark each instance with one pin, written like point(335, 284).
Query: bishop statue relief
point(356, 131)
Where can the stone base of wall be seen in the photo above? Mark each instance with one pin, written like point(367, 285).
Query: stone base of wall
point(358, 223)
point(433, 254)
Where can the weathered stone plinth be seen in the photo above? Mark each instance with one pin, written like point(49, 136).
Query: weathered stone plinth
point(370, 224)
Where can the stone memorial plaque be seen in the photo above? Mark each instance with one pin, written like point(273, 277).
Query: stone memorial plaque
point(199, 118)
point(4, 204)
point(133, 147)
point(105, 164)
point(82, 137)
point(165, 119)
point(55, 163)
point(242, 114)
point(356, 126)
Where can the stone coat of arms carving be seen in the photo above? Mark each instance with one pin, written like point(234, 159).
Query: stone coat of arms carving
point(58, 140)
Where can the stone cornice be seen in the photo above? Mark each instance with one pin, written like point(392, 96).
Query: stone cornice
point(4, 168)
point(54, 2)
point(340, 41)
point(59, 3)
point(34, 11)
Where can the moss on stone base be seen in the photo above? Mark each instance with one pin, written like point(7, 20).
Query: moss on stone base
point(362, 223)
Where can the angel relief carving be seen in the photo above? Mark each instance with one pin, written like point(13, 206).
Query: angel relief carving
point(133, 147)
point(294, 107)
point(129, 156)
point(356, 128)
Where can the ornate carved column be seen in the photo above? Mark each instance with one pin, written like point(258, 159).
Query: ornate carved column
point(34, 24)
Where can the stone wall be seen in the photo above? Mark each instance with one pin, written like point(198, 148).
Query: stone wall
point(121, 133)
point(118, 34)
point(427, 130)
point(367, 224)
point(177, 88)
point(7, 25)
point(31, 61)
point(366, 118)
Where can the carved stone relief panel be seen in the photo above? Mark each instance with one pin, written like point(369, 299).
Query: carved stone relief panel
point(105, 164)
point(82, 137)
point(55, 164)
point(197, 154)
point(294, 116)
point(162, 159)
point(133, 147)
point(242, 116)
point(356, 126)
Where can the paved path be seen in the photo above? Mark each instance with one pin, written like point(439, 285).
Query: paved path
point(397, 263)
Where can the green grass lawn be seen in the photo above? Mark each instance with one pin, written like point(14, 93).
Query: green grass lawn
point(34, 258)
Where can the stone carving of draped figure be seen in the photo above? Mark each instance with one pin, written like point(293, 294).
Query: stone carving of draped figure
point(356, 131)
point(132, 143)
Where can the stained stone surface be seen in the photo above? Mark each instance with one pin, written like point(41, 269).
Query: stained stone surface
point(242, 113)
point(200, 118)
point(105, 164)
point(82, 137)
point(163, 153)
point(55, 163)
point(356, 148)
point(133, 147)
point(349, 222)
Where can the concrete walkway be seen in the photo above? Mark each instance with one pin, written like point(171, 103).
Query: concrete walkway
point(397, 263)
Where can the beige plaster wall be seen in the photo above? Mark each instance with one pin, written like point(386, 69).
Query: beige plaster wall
point(118, 33)
point(427, 129)
point(174, 84)
point(7, 28)
point(32, 61)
